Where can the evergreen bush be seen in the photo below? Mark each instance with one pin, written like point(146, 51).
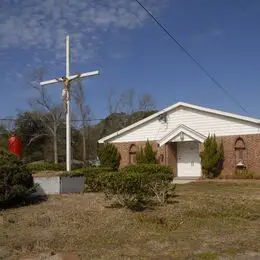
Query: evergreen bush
point(159, 171)
point(244, 174)
point(45, 166)
point(126, 189)
point(212, 158)
point(93, 177)
point(146, 155)
point(109, 156)
point(136, 189)
point(16, 181)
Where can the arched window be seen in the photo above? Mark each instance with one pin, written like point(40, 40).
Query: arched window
point(240, 151)
point(132, 154)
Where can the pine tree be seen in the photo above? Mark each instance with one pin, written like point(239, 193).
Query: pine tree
point(146, 155)
point(140, 158)
point(212, 157)
point(150, 155)
point(109, 156)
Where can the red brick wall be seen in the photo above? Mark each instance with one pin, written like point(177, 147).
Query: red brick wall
point(124, 148)
point(167, 154)
point(252, 152)
point(172, 156)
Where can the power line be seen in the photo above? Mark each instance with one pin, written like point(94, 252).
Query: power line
point(52, 121)
point(59, 121)
point(195, 60)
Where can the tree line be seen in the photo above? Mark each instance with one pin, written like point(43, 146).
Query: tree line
point(42, 127)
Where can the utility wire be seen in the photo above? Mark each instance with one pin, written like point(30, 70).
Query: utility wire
point(52, 121)
point(195, 60)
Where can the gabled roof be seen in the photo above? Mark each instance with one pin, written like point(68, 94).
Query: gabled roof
point(175, 106)
point(192, 134)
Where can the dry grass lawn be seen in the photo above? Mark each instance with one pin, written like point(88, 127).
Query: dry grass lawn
point(206, 221)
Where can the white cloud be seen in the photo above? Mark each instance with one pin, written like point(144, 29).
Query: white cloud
point(43, 24)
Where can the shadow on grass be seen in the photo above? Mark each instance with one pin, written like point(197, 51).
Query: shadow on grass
point(35, 199)
point(134, 208)
point(140, 207)
point(27, 201)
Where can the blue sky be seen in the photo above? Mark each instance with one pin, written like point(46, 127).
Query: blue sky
point(132, 52)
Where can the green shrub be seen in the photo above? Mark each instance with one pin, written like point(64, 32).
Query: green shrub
point(16, 181)
point(135, 189)
point(161, 171)
point(163, 190)
point(244, 174)
point(93, 182)
point(146, 155)
point(96, 170)
point(127, 190)
point(76, 166)
point(212, 158)
point(45, 166)
point(109, 156)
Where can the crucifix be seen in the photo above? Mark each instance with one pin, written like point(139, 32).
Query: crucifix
point(66, 95)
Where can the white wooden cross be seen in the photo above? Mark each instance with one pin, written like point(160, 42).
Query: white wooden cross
point(66, 94)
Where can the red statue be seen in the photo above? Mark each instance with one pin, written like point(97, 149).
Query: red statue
point(14, 145)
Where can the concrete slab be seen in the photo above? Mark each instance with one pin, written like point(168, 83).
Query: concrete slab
point(182, 181)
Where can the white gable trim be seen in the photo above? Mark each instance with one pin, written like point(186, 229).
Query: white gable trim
point(182, 129)
point(177, 105)
point(182, 137)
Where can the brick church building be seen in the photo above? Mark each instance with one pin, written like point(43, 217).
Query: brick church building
point(178, 132)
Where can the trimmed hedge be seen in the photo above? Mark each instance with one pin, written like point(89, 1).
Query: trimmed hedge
point(16, 181)
point(163, 171)
point(89, 170)
point(44, 166)
point(97, 178)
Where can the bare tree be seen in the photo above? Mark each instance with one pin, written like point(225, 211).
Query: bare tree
point(49, 113)
point(127, 100)
point(121, 102)
point(84, 114)
point(146, 103)
point(114, 102)
point(8, 123)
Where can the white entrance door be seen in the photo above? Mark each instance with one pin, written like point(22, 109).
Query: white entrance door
point(188, 159)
